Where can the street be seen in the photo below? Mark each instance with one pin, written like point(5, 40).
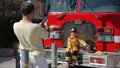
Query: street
point(9, 62)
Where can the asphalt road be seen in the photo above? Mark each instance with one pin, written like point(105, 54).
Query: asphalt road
point(7, 62)
point(10, 62)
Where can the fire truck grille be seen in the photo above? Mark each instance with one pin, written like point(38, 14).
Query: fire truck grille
point(86, 31)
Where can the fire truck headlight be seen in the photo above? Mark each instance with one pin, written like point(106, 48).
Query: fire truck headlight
point(54, 35)
point(105, 34)
point(54, 32)
point(105, 38)
point(100, 38)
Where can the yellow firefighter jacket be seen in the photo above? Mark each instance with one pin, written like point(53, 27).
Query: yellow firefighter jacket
point(74, 43)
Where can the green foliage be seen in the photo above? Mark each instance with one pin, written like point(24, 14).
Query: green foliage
point(36, 20)
point(6, 30)
point(41, 0)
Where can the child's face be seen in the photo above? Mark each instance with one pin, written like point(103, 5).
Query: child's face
point(73, 33)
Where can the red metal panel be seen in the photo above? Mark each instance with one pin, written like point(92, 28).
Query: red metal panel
point(106, 19)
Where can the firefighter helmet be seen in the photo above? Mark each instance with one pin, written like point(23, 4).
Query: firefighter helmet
point(73, 29)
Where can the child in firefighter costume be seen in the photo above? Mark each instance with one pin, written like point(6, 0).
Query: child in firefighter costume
point(73, 47)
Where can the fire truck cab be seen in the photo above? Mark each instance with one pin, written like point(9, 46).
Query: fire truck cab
point(97, 22)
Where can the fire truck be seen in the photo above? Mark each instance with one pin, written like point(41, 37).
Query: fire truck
point(97, 22)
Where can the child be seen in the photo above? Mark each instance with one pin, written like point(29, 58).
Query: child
point(73, 47)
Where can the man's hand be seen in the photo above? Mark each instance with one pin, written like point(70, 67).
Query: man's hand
point(41, 24)
point(44, 24)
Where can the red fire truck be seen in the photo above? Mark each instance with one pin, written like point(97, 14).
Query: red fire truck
point(97, 22)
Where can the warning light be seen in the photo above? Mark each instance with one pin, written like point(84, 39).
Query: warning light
point(108, 30)
point(105, 30)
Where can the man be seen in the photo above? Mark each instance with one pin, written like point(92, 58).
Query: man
point(30, 37)
point(73, 47)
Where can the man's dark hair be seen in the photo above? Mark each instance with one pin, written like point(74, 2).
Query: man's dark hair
point(27, 8)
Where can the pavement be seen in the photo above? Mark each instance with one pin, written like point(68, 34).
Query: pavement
point(9, 62)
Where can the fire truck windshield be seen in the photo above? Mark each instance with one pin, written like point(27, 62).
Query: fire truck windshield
point(100, 5)
point(61, 5)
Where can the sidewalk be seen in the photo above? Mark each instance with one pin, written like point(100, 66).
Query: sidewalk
point(9, 62)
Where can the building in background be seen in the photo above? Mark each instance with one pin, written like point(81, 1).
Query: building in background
point(8, 7)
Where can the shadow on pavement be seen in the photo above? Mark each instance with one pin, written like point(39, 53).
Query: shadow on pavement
point(4, 59)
